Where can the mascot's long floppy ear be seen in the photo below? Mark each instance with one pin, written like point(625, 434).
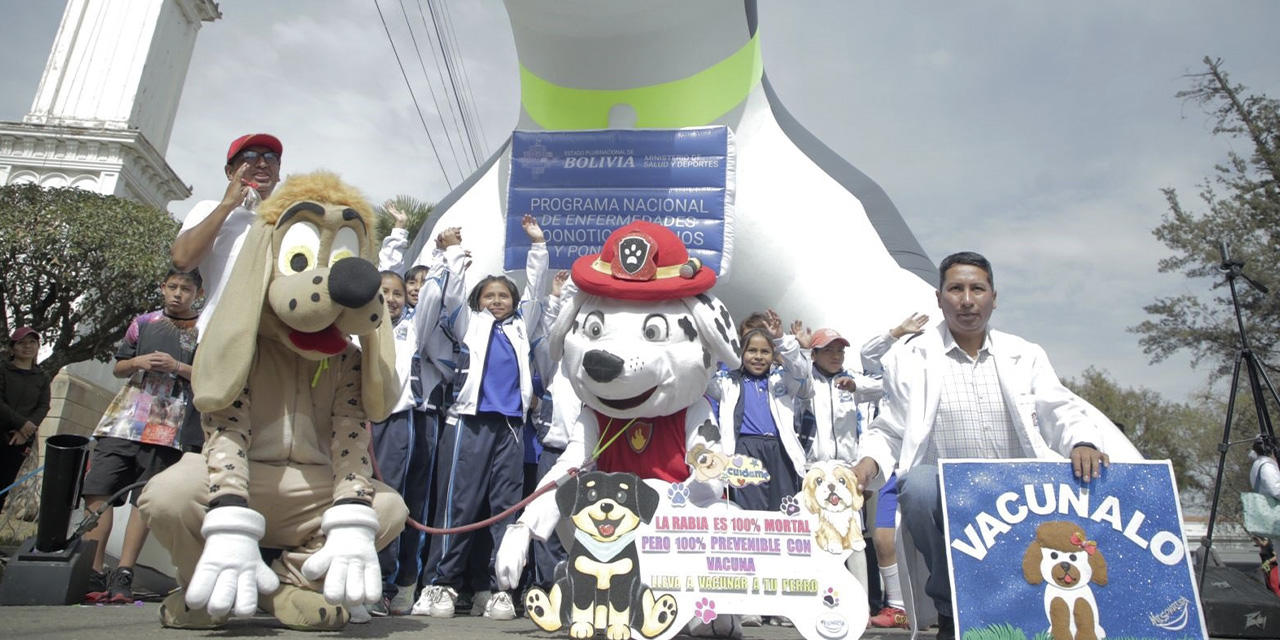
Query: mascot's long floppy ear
point(812, 479)
point(647, 500)
point(229, 344)
point(379, 382)
point(719, 334)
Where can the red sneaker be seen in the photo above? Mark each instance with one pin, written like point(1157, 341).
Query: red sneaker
point(120, 589)
point(97, 590)
point(890, 618)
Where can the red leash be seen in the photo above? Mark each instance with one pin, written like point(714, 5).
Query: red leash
point(377, 473)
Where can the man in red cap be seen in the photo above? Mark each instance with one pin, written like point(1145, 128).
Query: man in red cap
point(213, 231)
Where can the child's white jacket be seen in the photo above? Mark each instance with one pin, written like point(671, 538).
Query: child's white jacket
point(524, 328)
point(836, 417)
point(787, 384)
point(406, 343)
point(437, 352)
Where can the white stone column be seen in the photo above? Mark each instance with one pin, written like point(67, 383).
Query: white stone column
point(105, 106)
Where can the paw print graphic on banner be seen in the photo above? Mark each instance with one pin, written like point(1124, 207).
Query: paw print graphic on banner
point(789, 506)
point(678, 494)
point(831, 598)
point(705, 610)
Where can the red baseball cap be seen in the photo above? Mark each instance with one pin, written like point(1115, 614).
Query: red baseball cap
point(825, 336)
point(22, 332)
point(254, 140)
point(642, 261)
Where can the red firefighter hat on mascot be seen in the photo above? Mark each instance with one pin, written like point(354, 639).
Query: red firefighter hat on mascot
point(642, 261)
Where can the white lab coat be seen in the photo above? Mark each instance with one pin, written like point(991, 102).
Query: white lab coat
point(1048, 418)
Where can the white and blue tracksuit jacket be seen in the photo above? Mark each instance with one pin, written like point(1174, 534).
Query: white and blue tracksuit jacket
point(472, 329)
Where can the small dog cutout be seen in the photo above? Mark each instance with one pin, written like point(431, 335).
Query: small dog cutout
point(831, 492)
point(1066, 562)
point(599, 586)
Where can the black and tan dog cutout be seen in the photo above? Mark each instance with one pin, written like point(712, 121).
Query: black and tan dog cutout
point(599, 586)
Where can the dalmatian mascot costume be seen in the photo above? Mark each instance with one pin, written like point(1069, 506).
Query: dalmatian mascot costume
point(638, 343)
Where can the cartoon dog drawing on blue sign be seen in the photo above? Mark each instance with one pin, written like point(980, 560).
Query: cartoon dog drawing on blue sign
point(1063, 559)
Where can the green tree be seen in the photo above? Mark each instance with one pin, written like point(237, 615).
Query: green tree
point(78, 266)
point(417, 211)
point(1241, 205)
point(1184, 433)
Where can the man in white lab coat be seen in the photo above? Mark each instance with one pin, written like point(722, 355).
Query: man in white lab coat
point(963, 390)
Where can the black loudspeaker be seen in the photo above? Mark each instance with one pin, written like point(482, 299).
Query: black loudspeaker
point(64, 458)
point(49, 569)
point(34, 577)
point(1238, 606)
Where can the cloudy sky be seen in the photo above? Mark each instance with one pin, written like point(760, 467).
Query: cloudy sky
point(1036, 133)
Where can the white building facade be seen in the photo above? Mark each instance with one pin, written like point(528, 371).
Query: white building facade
point(105, 107)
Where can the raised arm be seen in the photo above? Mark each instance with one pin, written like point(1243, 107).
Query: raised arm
point(797, 371)
point(455, 315)
point(391, 256)
point(876, 347)
point(537, 276)
point(194, 243)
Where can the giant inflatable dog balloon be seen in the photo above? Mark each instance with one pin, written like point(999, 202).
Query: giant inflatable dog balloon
point(803, 218)
point(285, 396)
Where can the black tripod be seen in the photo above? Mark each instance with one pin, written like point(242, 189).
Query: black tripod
point(1257, 376)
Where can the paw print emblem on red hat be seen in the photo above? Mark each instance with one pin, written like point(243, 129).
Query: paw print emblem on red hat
point(634, 259)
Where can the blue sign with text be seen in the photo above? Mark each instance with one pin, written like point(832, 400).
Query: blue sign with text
point(1036, 552)
point(582, 185)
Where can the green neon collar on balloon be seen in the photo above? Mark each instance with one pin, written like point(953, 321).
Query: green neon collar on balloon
point(693, 101)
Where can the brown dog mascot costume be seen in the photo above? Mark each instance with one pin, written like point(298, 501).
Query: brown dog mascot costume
point(285, 396)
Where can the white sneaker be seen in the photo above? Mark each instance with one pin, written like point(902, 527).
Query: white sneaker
point(499, 607)
point(402, 604)
point(436, 601)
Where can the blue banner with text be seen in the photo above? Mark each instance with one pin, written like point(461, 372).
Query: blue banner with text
point(582, 185)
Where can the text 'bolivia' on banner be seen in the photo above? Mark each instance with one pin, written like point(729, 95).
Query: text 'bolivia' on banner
point(582, 185)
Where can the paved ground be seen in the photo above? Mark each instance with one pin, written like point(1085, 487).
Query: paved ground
point(141, 622)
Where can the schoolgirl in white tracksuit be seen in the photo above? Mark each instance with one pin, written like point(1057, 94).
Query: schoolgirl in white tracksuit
point(481, 454)
point(756, 414)
point(402, 449)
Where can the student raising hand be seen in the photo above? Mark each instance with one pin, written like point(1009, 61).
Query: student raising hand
point(532, 229)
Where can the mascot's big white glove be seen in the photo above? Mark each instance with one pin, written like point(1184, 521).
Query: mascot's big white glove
point(349, 559)
point(511, 556)
point(231, 572)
